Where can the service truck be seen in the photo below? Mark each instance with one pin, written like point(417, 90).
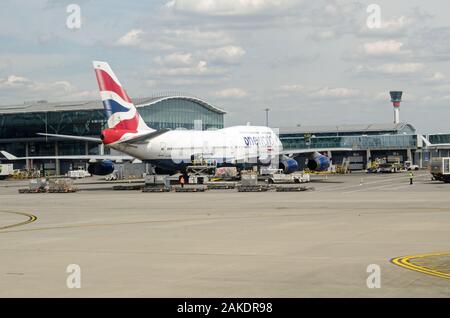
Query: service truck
point(279, 177)
point(440, 169)
point(389, 167)
point(409, 166)
point(6, 170)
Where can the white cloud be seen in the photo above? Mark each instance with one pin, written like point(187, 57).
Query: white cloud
point(173, 39)
point(19, 82)
point(293, 88)
point(381, 96)
point(387, 50)
point(198, 69)
point(29, 89)
point(175, 59)
point(82, 95)
point(200, 63)
point(427, 99)
point(392, 68)
point(338, 92)
point(226, 54)
point(196, 37)
point(435, 77)
point(53, 87)
point(13, 81)
point(231, 93)
point(321, 92)
point(230, 7)
point(432, 44)
point(208, 62)
point(168, 82)
point(132, 38)
point(4, 65)
point(324, 34)
point(395, 24)
point(442, 88)
point(331, 19)
point(382, 48)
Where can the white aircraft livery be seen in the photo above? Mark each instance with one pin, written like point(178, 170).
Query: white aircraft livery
point(171, 151)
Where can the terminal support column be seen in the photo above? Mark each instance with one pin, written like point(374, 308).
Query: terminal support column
point(368, 156)
point(409, 154)
point(420, 158)
point(57, 168)
point(27, 162)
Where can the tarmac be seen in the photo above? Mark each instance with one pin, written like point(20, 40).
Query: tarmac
point(223, 243)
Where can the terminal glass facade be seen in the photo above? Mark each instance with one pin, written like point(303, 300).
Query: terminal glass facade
point(180, 113)
point(354, 142)
point(440, 139)
point(27, 125)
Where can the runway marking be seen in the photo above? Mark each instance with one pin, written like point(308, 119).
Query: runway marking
point(31, 218)
point(208, 218)
point(364, 183)
point(404, 261)
point(380, 187)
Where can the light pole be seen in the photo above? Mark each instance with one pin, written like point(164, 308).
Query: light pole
point(267, 116)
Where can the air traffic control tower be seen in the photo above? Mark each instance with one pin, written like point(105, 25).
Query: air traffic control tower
point(396, 98)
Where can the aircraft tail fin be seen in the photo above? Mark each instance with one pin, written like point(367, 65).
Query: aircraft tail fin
point(120, 110)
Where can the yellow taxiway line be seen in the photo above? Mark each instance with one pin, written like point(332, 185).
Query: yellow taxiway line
point(404, 261)
point(31, 218)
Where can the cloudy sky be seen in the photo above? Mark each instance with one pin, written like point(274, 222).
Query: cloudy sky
point(310, 62)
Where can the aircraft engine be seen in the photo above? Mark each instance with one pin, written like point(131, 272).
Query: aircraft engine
point(288, 165)
point(318, 163)
point(101, 168)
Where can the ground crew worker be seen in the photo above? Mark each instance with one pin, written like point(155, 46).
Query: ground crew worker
point(411, 177)
point(182, 181)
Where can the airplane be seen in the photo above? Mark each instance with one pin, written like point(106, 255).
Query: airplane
point(171, 151)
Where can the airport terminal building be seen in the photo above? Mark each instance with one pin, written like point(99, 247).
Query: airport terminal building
point(19, 125)
point(391, 141)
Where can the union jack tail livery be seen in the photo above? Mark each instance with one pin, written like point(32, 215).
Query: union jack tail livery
point(124, 122)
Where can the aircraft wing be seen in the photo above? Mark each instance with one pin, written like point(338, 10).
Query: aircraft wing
point(136, 140)
point(145, 137)
point(81, 138)
point(9, 156)
point(291, 152)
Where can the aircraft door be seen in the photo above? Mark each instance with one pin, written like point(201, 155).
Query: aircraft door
point(162, 147)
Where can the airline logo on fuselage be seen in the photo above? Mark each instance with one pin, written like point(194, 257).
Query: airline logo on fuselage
point(258, 140)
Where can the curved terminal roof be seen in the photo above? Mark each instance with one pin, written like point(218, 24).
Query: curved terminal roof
point(363, 129)
point(44, 106)
point(141, 102)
